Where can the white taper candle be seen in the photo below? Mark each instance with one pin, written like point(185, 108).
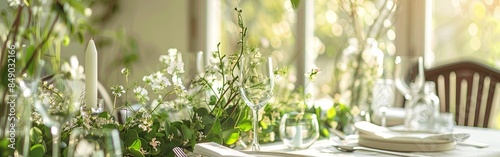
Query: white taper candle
point(91, 75)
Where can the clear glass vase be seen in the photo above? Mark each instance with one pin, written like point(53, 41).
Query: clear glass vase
point(357, 70)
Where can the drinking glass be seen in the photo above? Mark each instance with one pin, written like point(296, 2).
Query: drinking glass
point(299, 130)
point(383, 98)
point(59, 102)
point(409, 75)
point(94, 142)
point(256, 88)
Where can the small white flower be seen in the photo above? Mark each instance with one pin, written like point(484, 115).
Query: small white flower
point(312, 74)
point(141, 94)
point(73, 69)
point(164, 59)
point(175, 67)
point(125, 71)
point(148, 79)
point(144, 151)
point(172, 52)
point(14, 3)
point(117, 90)
point(157, 81)
point(154, 143)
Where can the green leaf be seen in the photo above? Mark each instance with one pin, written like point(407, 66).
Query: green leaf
point(207, 119)
point(36, 135)
point(331, 113)
point(66, 40)
point(4, 76)
point(245, 125)
point(186, 132)
point(37, 150)
point(216, 127)
point(325, 132)
point(30, 51)
point(202, 111)
point(160, 135)
point(135, 152)
point(145, 144)
point(130, 137)
point(135, 145)
point(230, 136)
point(170, 129)
point(80, 37)
point(103, 114)
point(229, 123)
point(295, 3)
point(213, 100)
point(77, 5)
point(110, 126)
point(59, 8)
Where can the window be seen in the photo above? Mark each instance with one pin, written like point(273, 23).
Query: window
point(468, 29)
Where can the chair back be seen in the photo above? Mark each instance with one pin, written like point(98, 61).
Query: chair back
point(468, 89)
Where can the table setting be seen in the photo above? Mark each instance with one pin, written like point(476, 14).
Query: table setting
point(394, 141)
point(236, 104)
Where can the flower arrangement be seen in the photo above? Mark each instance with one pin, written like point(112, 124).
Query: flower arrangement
point(212, 102)
point(211, 105)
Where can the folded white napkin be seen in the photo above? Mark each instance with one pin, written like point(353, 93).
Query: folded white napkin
point(213, 149)
point(393, 115)
point(375, 136)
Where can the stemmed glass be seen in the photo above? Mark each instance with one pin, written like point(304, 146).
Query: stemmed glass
point(409, 75)
point(256, 78)
point(58, 103)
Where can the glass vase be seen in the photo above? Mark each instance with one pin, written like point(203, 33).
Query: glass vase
point(356, 71)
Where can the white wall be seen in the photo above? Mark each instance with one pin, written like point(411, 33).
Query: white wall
point(156, 24)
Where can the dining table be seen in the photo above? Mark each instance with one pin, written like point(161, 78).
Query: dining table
point(488, 137)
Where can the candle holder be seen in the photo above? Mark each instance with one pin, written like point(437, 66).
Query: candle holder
point(99, 109)
point(299, 130)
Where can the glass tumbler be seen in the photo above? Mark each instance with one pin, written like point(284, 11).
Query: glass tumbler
point(299, 130)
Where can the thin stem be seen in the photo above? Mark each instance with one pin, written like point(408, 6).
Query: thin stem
point(15, 26)
point(40, 46)
point(255, 143)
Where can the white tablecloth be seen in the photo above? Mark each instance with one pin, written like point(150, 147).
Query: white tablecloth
point(482, 135)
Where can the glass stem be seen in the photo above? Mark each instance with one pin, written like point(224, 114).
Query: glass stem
point(55, 140)
point(255, 143)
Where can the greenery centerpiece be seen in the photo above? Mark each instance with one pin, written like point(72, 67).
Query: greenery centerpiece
point(211, 101)
point(215, 111)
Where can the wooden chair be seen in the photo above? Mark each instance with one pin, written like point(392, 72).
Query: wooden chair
point(470, 90)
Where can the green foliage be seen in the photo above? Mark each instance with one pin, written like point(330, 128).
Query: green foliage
point(215, 113)
point(37, 150)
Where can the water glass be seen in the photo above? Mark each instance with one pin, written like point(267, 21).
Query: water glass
point(299, 130)
point(445, 122)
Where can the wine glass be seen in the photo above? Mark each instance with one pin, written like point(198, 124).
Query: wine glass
point(58, 103)
point(256, 88)
point(94, 142)
point(409, 74)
